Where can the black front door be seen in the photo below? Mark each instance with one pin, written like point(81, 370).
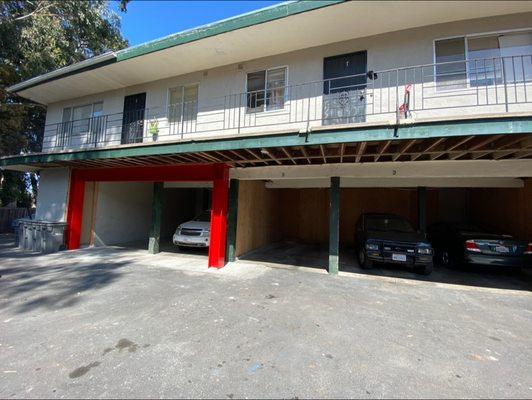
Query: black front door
point(344, 88)
point(133, 118)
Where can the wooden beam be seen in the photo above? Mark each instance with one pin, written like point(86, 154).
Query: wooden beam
point(323, 154)
point(524, 154)
point(405, 147)
point(360, 151)
point(285, 151)
point(270, 154)
point(456, 144)
point(431, 146)
point(476, 146)
point(228, 159)
point(503, 143)
point(382, 149)
point(255, 156)
point(342, 150)
point(237, 154)
point(305, 153)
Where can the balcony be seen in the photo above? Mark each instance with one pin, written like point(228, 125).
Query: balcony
point(458, 89)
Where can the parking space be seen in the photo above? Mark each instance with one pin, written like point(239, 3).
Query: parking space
point(297, 255)
point(290, 226)
point(120, 213)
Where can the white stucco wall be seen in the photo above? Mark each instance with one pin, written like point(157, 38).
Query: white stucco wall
point(392, 50)
point(52, 197)
point(123, 212)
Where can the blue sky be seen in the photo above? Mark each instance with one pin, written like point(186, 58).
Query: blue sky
point(151, 19)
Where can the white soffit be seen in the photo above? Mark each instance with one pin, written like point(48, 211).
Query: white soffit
point(398, 183)
point(392, 170)
point(313, 28)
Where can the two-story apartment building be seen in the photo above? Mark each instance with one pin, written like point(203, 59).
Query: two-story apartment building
point(291, 121)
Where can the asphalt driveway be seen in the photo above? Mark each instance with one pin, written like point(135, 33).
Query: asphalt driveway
point(122, 323)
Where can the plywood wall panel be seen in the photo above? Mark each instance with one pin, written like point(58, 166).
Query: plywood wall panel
point(305, 214)
point(258, 216)
point(507, 210)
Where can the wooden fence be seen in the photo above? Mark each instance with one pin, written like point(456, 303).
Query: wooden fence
point(8, 215)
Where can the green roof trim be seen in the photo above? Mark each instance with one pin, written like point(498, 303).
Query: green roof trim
point(427, 130)
point(242, 21)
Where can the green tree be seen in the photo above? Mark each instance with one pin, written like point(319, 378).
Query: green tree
point(38, 36)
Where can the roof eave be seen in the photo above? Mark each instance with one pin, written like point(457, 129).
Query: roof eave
point(85, 65)
point(264, 15)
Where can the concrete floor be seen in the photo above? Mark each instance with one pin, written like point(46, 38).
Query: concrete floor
point(294, 254)
point(114, 322)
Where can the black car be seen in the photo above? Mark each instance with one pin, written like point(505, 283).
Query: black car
point(389, 238)
point(467, 244)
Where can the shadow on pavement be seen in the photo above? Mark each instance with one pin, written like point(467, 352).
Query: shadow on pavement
point(52, 281)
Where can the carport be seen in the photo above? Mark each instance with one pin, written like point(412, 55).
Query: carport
point(155, 178)
point(318, 205)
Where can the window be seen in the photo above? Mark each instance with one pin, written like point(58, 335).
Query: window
point(82, 112)
point(78, 119)
point(483, 60)
point(182, 108)
point(516, 50)
point(485, 66)
point(266, 90)
point(450, 63)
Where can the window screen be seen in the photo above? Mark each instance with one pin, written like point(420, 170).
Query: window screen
point(450, 63)
point(516, 49)
point(256, 93)
point(276, 88)
point(182, 108)
point(266, 90)
point(485, 67)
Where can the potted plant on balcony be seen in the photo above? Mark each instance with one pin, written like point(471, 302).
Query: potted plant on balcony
point(153, 127)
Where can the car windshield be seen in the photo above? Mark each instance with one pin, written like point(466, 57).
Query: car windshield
point(205, 216)
point(388, 224)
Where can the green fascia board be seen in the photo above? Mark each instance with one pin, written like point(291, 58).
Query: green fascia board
point(487, 126)
point(243, 21)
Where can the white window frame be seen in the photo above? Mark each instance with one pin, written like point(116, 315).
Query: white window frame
point(79, 105)
point(183, 86)
point(277, 110)
point(466, 49)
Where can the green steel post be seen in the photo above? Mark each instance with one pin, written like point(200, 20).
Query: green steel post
point(156, 215)
point(422, 208)
point(232, 215)
point(334, 225)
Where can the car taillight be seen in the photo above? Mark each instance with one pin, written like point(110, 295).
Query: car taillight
point(470, 245)
point(528, 249)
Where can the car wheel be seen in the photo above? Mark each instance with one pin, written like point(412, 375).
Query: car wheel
point(424, 269)
point(364, 262)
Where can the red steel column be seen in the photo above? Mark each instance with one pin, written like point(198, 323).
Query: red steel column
point(75, 211)
point(220, 195)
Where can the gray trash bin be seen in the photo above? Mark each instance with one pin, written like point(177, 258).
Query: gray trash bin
point(16, 225)
point(53, 236)
point(41, 236)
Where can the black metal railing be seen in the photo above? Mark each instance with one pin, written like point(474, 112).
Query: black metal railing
point(450, 89)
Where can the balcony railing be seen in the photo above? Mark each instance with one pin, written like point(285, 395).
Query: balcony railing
point(451, 89)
